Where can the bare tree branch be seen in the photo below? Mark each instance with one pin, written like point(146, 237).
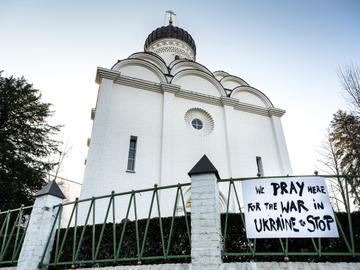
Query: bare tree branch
point(349, 76)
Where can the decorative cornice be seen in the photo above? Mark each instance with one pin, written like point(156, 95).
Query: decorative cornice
point(241, 106)
point(229, 101)
point(171, 88)
point(138, 83)
point(276, 112)
point(104, 73)
point(117, 78)
point(183, 93)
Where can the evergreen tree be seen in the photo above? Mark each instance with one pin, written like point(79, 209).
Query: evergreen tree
point(26, 142)
point(345, 136)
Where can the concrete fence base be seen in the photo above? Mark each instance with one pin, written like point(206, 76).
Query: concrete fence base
point(235, 266)
point(242, 266)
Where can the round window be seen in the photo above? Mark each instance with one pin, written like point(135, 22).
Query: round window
point(196, 123)
point(199, 121)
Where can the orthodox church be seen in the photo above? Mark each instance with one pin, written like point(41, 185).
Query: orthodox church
point(159, 111)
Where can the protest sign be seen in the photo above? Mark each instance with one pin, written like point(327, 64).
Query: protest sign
point(288, 207)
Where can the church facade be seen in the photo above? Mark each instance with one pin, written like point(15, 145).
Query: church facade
point(159, 111)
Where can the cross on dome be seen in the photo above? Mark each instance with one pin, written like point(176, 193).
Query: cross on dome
point(171, 13)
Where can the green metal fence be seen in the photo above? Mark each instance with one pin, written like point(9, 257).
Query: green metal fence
point(121, 233)
point(344, 198)
point(13, 225)
point(118, 228)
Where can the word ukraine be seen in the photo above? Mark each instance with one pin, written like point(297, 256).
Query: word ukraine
point(291, 207)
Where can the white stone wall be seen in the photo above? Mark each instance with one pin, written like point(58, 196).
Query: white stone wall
point(37, 233)
point(243, 266)
point(205, 223)
point(167, 147)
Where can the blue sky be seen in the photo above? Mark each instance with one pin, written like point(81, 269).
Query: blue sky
point(290, 50)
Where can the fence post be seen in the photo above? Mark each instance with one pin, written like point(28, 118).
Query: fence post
point(39, 228)
point(205, 216)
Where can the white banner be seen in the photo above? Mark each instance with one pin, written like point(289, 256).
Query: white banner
point(288, 207)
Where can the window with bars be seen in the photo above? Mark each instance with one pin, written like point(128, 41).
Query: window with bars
point(132, 154)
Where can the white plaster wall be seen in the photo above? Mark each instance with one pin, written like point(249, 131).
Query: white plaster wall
point(189, 147)
point(255, 137)
point(151, 59)
point(140, 72)
point(249, 98)
point(178, 66)
point(167, 148)
point(123, 112)
point(130, 112)
point(198, 84)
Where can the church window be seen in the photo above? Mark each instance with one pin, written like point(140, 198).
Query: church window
point(199, 121)
point(196, 123)
point(132, 153)
point(260, 169)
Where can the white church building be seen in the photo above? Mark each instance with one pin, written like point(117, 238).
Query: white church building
point(159, 111)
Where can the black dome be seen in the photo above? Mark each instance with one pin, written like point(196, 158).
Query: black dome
point(170, 31)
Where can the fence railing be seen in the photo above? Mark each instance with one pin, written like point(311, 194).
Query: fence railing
point(13, 225)
point(153, 225)
point(345, 201)
point(124, 227)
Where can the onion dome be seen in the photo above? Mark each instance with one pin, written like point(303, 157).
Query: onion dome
point(170, 31)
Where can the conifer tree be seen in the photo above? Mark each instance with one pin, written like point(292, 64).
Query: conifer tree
point(345, 136)
point(26, 142)
point(341, 154)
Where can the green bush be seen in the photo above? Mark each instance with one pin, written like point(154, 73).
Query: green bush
point(179, 245)
point(235, 242)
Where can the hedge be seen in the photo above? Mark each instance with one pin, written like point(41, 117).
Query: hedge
point(180, 245)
